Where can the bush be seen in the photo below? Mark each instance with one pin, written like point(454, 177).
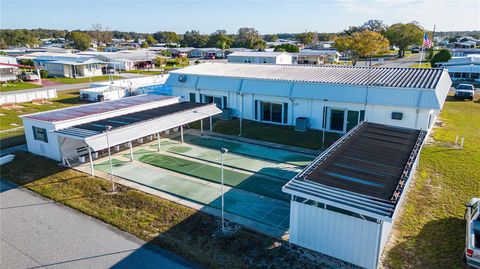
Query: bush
point(43, 73)
point(442, 56)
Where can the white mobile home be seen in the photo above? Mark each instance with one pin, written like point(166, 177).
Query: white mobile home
point(464, 68)
point(345, 202)
point(260, 57)
point(334, 98)
point(67, 65)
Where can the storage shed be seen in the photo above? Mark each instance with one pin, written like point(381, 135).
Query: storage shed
point(345, 202)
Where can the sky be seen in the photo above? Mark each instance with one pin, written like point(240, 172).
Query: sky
point(267, 16)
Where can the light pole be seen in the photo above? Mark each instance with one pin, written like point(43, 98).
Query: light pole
point(107, 128)
point(223, 151)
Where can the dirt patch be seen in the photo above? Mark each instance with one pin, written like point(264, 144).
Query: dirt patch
point(12, 106)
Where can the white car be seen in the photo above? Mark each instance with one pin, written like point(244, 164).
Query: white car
point(472, 218)
point(464, 91)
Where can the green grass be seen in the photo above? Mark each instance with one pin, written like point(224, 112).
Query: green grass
point(431, 231)
point(257, 184)
point(16, 86)
point(176, 228)
point(421, 65)
point(287, 135)
point(82, 80)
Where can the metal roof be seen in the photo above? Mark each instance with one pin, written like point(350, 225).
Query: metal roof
point(366, 169)
point(256, 54)
point(95, 108)
point(372, 76)
point(98, 127)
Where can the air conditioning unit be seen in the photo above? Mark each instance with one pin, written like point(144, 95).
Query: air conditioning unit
point(302, 124)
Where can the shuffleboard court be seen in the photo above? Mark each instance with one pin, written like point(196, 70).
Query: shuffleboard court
point(266, 210)
point(243, 162)
point(260, 184)
point(254, 150)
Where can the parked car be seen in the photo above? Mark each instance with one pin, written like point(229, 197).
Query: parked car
point(464, 91)
point(415, 50)
point(28, 76)
point(472, 247)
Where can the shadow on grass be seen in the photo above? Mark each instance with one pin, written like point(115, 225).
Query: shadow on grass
point(12, 141)
point(440, 244)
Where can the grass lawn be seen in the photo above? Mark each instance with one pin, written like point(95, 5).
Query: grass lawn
point(311, 139)
point(431, 230)
point(82, 80)
point(9, 116)
point(422, 65)
point(16, 86)
point(179, 229)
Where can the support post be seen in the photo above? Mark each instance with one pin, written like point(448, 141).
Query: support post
point(131, 150)
point(158, 142)
point(211, 124)
point(91, 161)
point(181, 133)
point(201, 126)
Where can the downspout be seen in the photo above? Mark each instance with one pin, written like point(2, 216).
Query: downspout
point(239, 92)
point(417, 109)
point(293, 104)
point(195, 88)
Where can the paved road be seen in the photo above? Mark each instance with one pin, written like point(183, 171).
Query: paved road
point(403, 62)
point(38, 233)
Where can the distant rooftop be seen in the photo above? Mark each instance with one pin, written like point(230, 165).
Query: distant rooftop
point(257, 53)
point(374, 76)
point(95, 108)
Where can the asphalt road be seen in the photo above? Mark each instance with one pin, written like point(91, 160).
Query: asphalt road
point(35, 232)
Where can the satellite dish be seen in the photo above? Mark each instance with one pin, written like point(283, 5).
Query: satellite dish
point(182, 78)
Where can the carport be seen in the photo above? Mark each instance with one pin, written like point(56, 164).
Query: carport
point(123, 129)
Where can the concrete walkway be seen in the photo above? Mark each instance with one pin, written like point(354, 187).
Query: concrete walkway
point(36, 232)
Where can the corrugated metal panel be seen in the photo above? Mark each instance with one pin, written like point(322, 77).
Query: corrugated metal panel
point(341, 93)
point(189, 82)
point(384, 77)
point(338, 235)
point(393, 97)
point(267, 87)
point(219, 83)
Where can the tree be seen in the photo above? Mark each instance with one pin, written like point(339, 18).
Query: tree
point(271, 38)
point(361, 44)
point(249, 38)
point(160, 61)
point(287, 48)
point(308, 38)
point(144, 45)
point(194, 39)
point(404, 35)
point(442, 56)
point(100, 34)
point(219, 39)
point(166, 37)
point(150, 40)
point(374, 26)
point(18, 37)
point(81, 40)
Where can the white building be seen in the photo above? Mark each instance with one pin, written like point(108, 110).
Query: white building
point(66, 64)
point(70, 133)
point(260, 57)
point(464, 68)
point(316, 57)
point(8, 68)
point(125, 59)
point(334, 98)
point(345, 202)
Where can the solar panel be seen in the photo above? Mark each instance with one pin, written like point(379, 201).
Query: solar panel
point(370, 162)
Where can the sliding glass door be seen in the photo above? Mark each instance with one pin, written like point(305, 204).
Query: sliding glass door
point(272, 112)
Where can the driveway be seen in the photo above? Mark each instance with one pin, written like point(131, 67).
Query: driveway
point(35, 232)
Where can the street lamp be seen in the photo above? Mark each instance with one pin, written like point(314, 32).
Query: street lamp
point(107, 128)
point(223, 151)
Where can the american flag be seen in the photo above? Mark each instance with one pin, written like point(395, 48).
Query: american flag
point(426, 41)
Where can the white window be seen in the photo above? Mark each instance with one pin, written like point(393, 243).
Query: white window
point(40, 134)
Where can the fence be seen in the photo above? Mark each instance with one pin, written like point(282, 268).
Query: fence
point(26, 96)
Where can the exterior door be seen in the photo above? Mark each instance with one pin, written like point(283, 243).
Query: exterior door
point(352, 119)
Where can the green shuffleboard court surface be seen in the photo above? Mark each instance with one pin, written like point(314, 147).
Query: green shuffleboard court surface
point(280, 170)
point(266, 210)
point(257, 151)
point(259, 184)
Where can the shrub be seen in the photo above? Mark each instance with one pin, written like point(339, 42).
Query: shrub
point(43, 73)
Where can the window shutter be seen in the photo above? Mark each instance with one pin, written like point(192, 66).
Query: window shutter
point(362, 115)
point(324, 118)
point(256, 109)
point(285, 113)
point(224, 102)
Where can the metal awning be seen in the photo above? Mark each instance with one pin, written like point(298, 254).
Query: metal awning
point(136, 125)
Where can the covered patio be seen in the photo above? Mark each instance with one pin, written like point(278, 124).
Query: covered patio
point(89, 139)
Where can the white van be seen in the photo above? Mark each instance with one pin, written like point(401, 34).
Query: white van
point(472, 248)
